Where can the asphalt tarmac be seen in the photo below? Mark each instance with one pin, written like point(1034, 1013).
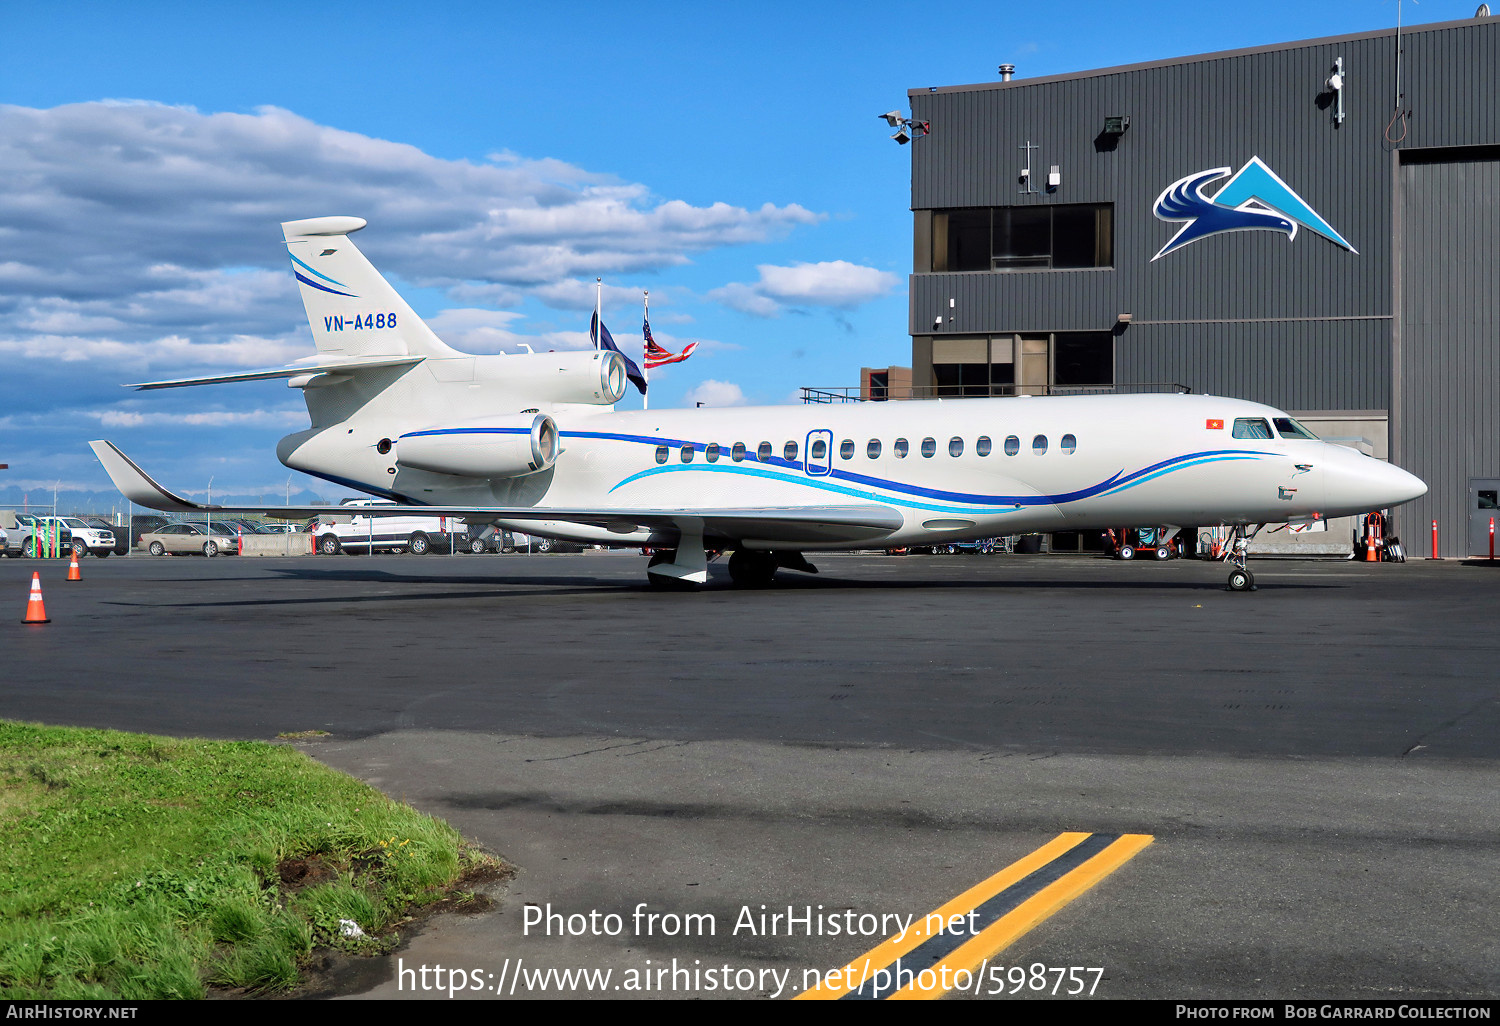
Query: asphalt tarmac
point(1314, 762)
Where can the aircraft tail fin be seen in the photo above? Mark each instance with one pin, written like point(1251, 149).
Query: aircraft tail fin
point(351, 308)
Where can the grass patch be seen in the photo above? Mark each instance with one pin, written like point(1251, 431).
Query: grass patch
point(141, 867)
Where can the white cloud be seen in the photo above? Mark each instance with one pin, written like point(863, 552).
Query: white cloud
point(833, 283)
point(280, 418)
point(489, 331)
point(125, 225)
point(716, 393)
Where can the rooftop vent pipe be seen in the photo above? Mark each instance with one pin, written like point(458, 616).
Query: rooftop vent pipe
point(1006, 72)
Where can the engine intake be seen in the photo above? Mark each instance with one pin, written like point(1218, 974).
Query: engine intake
point(511, 445)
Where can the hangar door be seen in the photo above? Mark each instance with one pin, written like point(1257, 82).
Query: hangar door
point(1448, 361)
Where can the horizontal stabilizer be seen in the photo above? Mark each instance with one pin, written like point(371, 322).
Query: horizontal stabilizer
point(317, 365)
point(777, 525)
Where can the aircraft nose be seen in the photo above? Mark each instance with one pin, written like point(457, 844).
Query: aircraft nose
point(1361, 484)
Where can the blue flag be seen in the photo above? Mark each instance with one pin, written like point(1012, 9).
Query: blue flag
point(602, 340)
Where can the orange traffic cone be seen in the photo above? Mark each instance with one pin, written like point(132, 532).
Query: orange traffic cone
point(35, 611)
point(74, 574)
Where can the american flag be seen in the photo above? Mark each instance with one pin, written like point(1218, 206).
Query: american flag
point(656, 356)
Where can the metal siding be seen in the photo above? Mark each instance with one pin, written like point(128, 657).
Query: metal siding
point(1449, 427)
point(1189, 116)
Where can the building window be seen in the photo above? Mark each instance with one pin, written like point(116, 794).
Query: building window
point(1053, 236)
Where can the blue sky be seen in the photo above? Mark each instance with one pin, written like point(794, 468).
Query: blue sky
point(725, 157)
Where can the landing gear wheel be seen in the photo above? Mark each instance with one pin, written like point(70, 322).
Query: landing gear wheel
point(1162, 552)
point(418, 545)
point(748, 569)
point(662, 583)
point(329, 545)
point(1241, 580)
point(1127, 552)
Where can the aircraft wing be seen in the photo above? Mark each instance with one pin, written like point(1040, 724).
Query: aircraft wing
point(774, 525)
point(327, 365)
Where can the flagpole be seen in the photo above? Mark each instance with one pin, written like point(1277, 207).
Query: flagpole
point(645, 363)
point(598, 311)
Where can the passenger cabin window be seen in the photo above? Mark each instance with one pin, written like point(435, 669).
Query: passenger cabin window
point(1069, 444)
point(712, 452)
point(982, 446)
point(819, 450)
point(763, 453)
point(661, 454)
point(1251, 427)
point(846, 449)
point(955, 446)
point(929, 448)
point(872, 449)
point(687, 453)
point(1289, 428)
point(1012, 445)
point(900, 448)
point(1039, 445)
point(738, 452)
point(790, 452)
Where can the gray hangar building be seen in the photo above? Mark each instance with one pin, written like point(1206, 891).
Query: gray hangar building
point(1314, 225)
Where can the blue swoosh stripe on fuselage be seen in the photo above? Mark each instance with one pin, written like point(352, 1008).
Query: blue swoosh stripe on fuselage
point(1118, 482)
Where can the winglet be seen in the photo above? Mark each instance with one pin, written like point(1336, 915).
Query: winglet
point(136, 485)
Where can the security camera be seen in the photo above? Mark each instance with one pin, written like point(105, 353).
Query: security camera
point(892, 118)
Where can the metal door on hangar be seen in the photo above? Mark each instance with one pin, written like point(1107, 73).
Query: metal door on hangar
point(1483, 508)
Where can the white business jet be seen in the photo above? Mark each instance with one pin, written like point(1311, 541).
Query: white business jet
point(532, 442)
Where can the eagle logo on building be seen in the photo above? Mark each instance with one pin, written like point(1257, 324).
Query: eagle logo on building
point(1255, 199)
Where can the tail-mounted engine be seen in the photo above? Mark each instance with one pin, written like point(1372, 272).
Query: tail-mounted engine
point(511, 445)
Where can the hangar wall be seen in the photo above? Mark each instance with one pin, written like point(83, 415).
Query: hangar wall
point(1400, 319)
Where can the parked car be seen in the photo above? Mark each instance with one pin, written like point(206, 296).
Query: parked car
point(519, 542)
point(190, 539)
point(33, 536)
point(281, 528)
point(122, 535)
point(86, 540)
point(415, 534)
point(143, 523)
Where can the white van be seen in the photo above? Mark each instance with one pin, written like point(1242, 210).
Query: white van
point(347, 531)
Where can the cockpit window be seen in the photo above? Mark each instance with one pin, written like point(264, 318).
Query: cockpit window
point(1251, 427)
point(1289, 428)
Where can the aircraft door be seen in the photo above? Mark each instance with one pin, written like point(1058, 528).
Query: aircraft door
point(819, 453)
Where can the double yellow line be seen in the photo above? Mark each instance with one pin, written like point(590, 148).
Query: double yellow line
point(963, 934)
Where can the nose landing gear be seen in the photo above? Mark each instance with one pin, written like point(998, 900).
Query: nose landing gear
point(1240, 578)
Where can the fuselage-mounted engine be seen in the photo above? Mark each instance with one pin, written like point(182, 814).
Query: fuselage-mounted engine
point(509, 445)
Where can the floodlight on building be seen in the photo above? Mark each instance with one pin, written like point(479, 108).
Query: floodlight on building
point(1116, 124)
point(902, 136)
point(892, 117)
point(906, 128)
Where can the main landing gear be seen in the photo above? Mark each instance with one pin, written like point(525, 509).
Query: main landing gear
point(686, 567)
